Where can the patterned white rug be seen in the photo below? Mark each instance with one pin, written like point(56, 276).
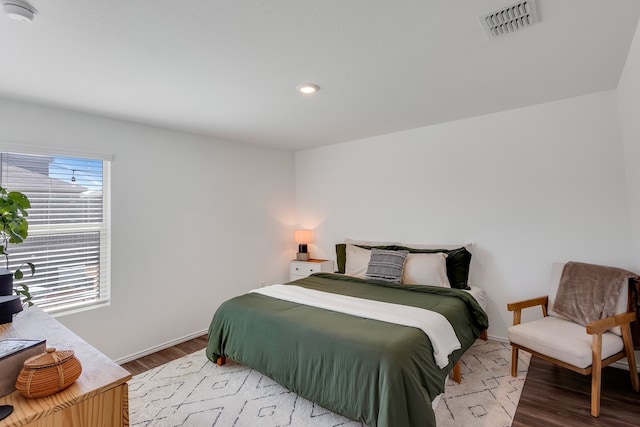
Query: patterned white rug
point(192, 391)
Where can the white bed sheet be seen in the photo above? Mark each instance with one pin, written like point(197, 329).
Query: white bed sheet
point(479, 295)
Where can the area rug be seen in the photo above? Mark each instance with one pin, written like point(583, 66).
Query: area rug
point(192, 391)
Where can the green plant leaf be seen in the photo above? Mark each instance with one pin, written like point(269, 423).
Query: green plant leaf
point(19, 274)
point(14, 228)
point(24, 291)
point(20, 199)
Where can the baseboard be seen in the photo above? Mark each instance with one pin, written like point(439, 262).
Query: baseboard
point(622, 364)
point(154, 349)
point(499, 339)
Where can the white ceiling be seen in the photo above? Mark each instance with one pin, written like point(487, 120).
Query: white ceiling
point(229, 68)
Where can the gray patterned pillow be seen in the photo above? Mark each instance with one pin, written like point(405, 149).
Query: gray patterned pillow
point(386, 265)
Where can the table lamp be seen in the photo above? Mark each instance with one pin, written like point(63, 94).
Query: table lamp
point(302, 237)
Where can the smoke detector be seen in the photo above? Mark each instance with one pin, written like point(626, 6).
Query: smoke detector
point(510, 19)
point(20, 10)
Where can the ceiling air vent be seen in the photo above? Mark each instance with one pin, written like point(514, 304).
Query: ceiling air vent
point(510, 19)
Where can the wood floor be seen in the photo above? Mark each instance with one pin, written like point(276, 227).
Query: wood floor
point(551, 396)
point(167, 355)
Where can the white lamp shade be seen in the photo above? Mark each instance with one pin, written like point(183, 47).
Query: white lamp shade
point(303, 236)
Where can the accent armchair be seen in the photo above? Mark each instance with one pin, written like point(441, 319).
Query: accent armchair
point(583, 349)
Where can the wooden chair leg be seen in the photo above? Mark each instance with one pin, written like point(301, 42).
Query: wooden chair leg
point(631, 357)
point(514, 361)
point(484, 336)
point(596, 374)
point(456, 373)
point(221, 361)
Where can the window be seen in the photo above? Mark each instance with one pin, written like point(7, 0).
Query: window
point(69, 228)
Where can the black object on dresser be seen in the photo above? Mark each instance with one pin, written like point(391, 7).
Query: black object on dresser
point(10, 304)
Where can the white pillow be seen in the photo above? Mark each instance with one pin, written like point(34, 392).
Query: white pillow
point(357, 261)
point(426, 269)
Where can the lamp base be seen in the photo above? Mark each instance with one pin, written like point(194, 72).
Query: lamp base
point(300, 256)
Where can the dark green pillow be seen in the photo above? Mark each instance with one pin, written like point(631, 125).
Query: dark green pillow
point(341, 256)
point(458, 261)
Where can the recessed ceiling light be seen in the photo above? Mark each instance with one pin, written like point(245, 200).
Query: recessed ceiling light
point(19, 10)
point(308, 88)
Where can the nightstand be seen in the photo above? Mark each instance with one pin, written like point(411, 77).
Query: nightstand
point(300, 269)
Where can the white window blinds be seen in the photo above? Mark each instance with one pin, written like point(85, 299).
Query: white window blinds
point(69, 228)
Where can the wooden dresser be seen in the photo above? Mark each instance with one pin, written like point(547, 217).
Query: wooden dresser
point(99, 398)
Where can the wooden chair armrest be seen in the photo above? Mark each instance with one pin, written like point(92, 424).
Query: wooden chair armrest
point(528, 303)
point(603, 325)
point(517, 307)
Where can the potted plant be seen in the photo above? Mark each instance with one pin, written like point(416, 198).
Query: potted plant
point(14, 228)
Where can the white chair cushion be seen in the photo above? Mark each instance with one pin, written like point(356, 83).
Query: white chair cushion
point(563, 340)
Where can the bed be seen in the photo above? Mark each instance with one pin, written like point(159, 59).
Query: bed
point(380, 373)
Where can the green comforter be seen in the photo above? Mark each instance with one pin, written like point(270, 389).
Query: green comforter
point(380, 373)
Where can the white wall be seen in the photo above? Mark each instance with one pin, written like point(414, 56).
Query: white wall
point(528, 187)
point(195, 221)
point(629, 106)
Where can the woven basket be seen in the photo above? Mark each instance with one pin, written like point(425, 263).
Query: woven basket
point(48, 373)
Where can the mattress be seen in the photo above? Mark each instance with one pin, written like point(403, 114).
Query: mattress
point(480, 296)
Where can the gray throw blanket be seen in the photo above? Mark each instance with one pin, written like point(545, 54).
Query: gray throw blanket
point(589, 292)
